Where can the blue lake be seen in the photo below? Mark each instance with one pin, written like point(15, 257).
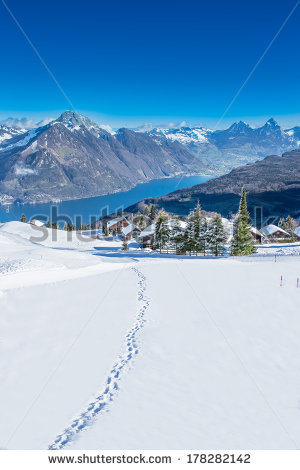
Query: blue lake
point(97, 206)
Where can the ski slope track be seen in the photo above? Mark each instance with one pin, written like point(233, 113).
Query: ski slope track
point(103, 401)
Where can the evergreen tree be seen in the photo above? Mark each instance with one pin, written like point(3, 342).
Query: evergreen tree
point(139, 220)
point(197, 222)
point(189, 234)
point(54, 225)
point(218, 236)
point(146, 211)
point(162, 232)
point(23, 218)
point(153, 212)
point(204, 237)
point(48, 225)
point(67, 227)
point(125, 245)
point(142, 224)
point(243, 243)
point(289, 225)
point(177, 235)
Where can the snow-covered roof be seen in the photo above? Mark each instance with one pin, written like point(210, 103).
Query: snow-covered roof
point(37, 222)
point(255, 230)
point(270, 229)
point(114, 221)
point(150, 230)
point(171, 223)
point(129, 229)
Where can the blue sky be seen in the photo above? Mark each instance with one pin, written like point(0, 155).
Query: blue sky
point(127, 62)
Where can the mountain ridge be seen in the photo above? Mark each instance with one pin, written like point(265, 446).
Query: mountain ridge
point(72, 157)
point(223, 150)
point(272, 184)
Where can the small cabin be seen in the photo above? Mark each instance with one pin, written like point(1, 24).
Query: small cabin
point(272, 233)
point(256, 234)
point(147, 236)
point(130, 231)
point(117, 225)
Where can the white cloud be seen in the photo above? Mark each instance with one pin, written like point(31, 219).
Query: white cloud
point(107, 128)
point(24, 123)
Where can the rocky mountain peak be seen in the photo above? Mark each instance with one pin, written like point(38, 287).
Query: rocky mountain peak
point(239, 127)
point(71, 120)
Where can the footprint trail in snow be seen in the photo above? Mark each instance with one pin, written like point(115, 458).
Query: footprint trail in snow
point(106, 397)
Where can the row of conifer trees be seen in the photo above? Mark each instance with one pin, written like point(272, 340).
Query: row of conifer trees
point(200, 234)
point(206, 236)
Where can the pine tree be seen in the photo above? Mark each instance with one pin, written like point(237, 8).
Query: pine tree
point(139, 220)
point(23, 218)
point(48, 225)
point(125, 245)
point(153, 212)
point(204, 237)
point(197, 222)
point(67, 227)
point(177, 235)
point(54, 225)
point(162, 232)
point(146, 211)
point(243, 243)
point(142, 224)
point(218, 236)
point(289, 225)
point(189, 234)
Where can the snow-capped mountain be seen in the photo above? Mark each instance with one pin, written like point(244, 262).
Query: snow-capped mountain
point(184, 135)
point(294, 132)
point(225, 149)
point(9, 132)
point(72, 157)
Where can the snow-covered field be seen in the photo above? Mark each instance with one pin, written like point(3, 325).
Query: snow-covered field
point(101, 348)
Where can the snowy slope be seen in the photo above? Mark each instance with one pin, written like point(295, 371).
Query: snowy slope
point(217, 340)
point(219, 363)
point(7, 133)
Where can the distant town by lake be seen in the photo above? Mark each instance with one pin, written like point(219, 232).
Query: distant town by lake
point(98, 206)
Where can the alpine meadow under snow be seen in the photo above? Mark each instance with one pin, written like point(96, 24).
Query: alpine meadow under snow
point(104, 348)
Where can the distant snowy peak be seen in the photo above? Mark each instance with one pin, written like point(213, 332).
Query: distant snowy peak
point(271, 127)
point(195, 136)
point(240, 128)
point(7, 133)
point(294, 132)
point(184, 135)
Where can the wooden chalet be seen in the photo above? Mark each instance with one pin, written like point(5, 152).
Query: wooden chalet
point(272, 233)
point(117, 225)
